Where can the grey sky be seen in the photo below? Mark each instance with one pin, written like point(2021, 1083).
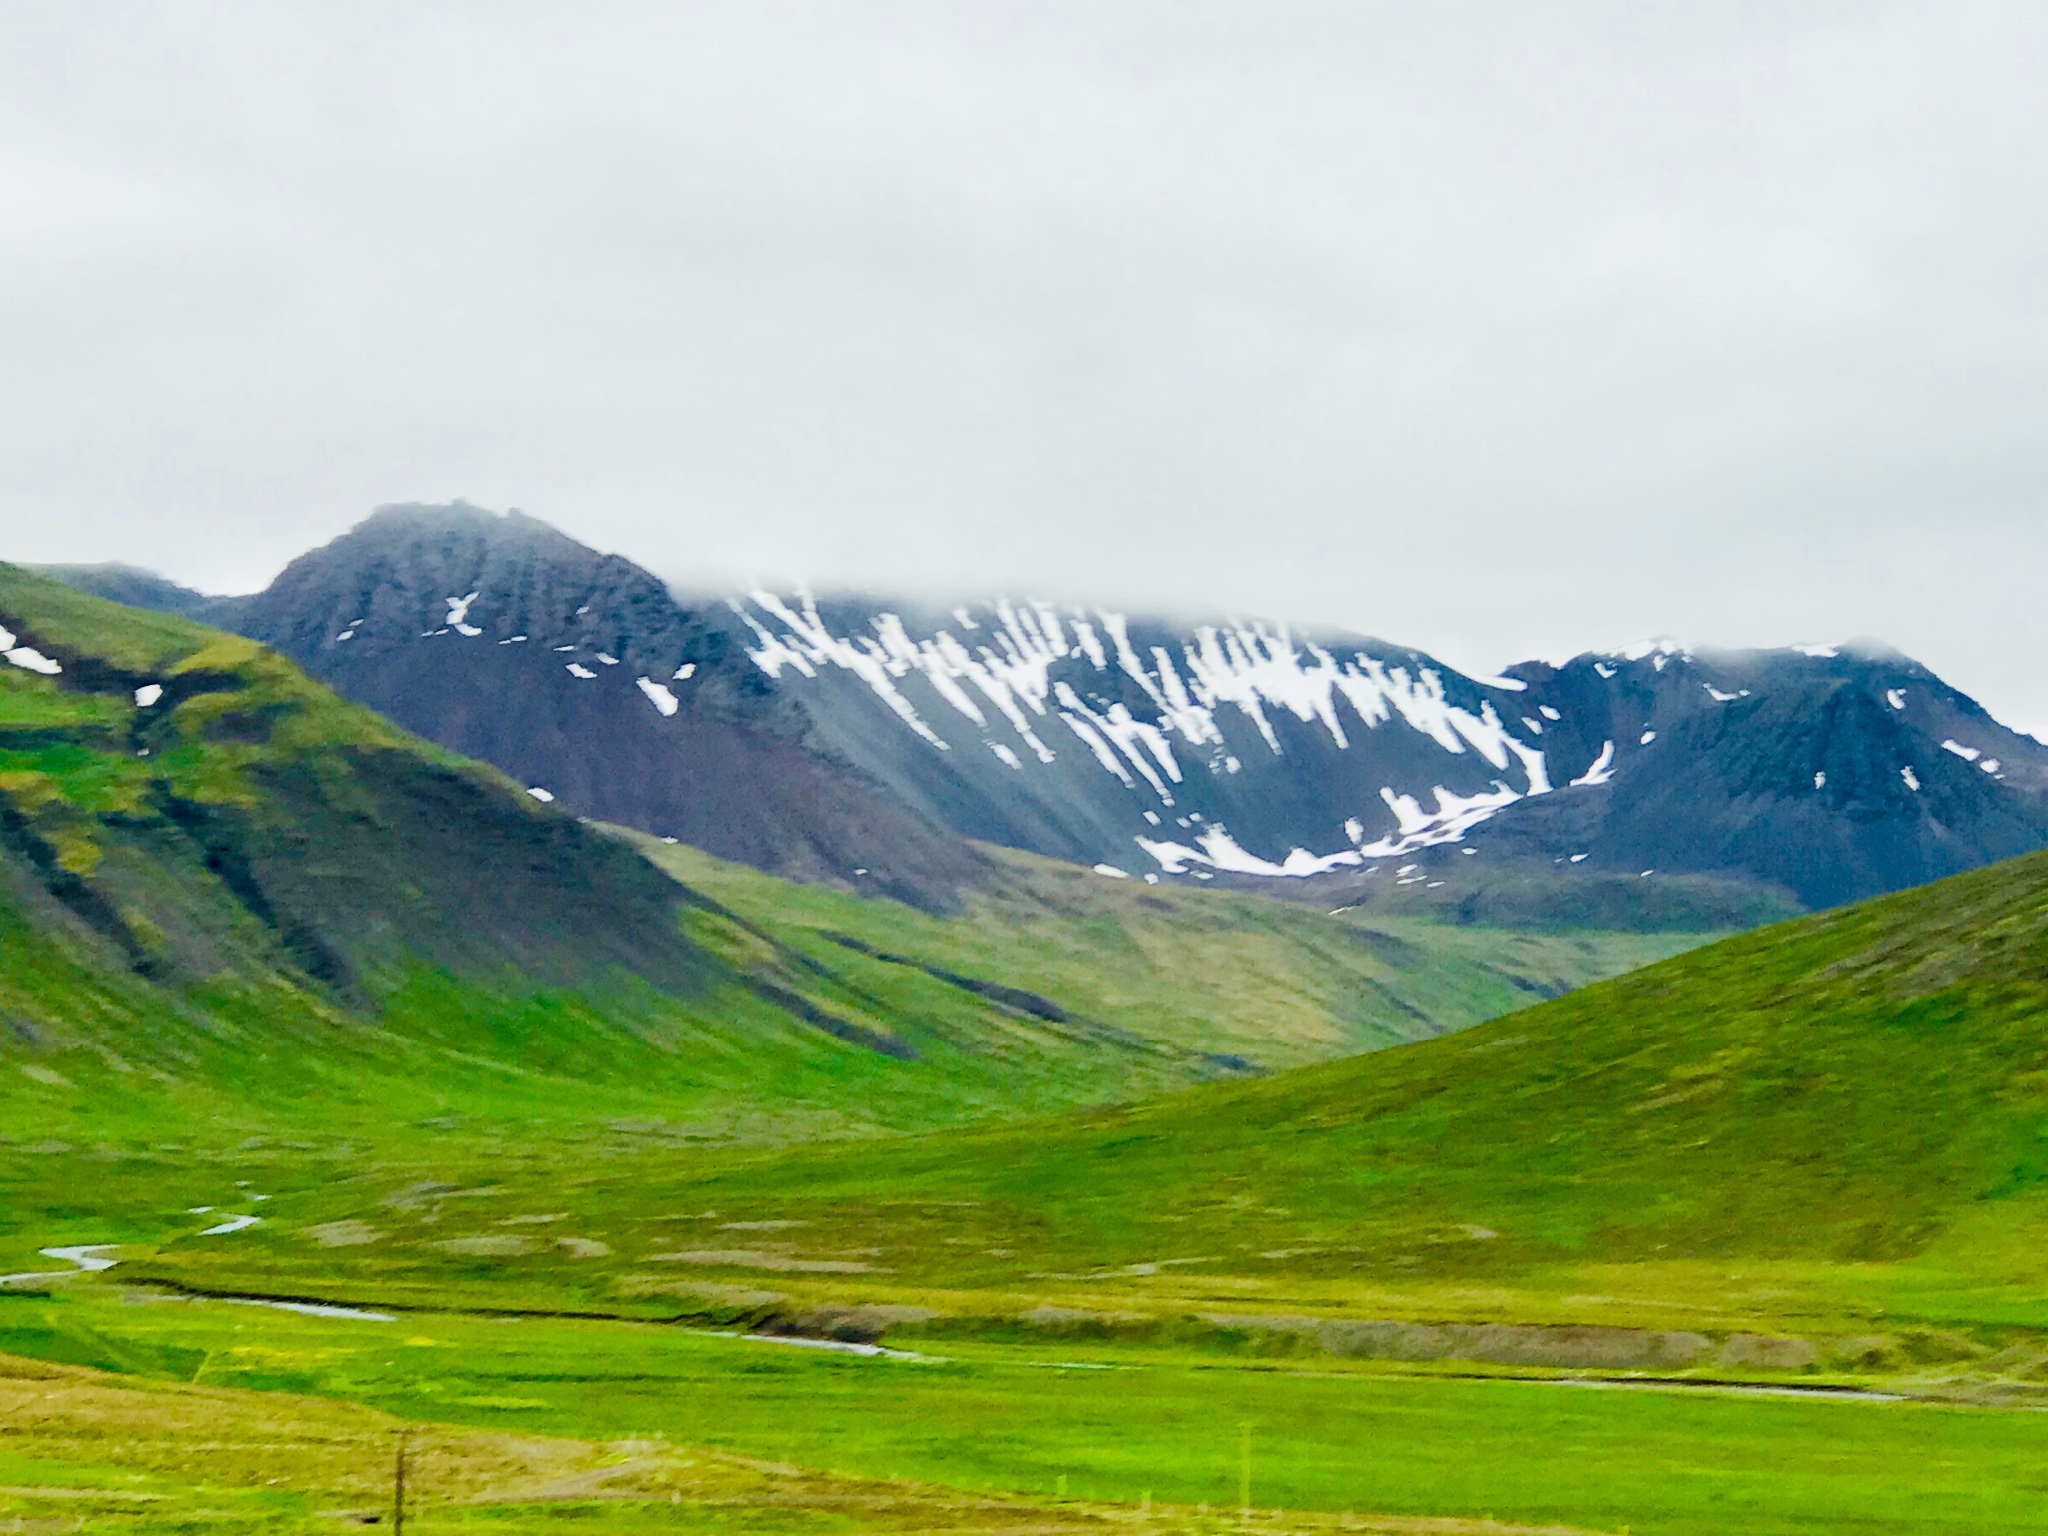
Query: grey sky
point(1500, 330)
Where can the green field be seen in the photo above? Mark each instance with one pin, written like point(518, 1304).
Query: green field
point(1118, 1425)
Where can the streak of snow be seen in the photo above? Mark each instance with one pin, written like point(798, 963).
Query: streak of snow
point(515, 640)
point(148, 694)
point(1896, 697)
point(1912, 779)
point(1724, 698)
point(232, 1224)
point(1218, 850)
point(1603, 669)
point(1548, 713)
point(808, 642)
point(1580, 858)
point(1253, 668)
point(1967, 754)
point(1112, 871)
point(610, 661)
point(1601, 771)
point(544, 796)
point(1454, 816)
point(577, 669)
point(1511, 684)
point(1007, 757)
point(1819, 652)
point(1535, 726)
point(1648, 737)
point(658, 694)
point(685, 672)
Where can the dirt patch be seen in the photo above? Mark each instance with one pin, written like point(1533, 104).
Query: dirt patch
point(494, 1246)
point(1566, 1348)
point(751, 1258)
point(343, 1234)
point(855, 1325)
point(1763, 1352)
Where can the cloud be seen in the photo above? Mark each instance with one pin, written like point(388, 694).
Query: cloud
point(1495, 332)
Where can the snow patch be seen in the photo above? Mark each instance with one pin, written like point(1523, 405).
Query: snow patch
point(1896, 697)
point(544, 796)
point(1010, 759)
point(147, 695)
point(1548, 713)
point(1912, 779)
point(658, 694)
point(232, 1224)
point(1601, 771)
point(1820, 781)
point(1967, 754)
point(1648, 737)
point(685, 672)
point(26, 657)
point(1819, 652)
point(1112, 871)
point(577, 669)
point(1218, 850)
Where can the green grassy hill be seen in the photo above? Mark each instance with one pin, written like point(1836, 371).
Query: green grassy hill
point(1834, 1128)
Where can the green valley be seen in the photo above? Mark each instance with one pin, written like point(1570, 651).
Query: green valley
point(657, 1192)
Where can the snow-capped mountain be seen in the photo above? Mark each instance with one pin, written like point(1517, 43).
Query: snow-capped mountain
point(1252, 748)
point(864, 740)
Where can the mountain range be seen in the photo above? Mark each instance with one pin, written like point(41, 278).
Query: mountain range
point(872, 743)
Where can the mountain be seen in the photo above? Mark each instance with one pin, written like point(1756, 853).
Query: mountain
point(577, 674)
point(861, 742)
point(1246, 748)
point(229, 898)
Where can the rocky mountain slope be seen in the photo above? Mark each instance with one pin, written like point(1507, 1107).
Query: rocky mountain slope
point(859, 741)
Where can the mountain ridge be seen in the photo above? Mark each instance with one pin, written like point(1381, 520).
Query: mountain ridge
point(865, 743)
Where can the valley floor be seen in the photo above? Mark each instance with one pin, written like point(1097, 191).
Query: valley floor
point(249, 1418)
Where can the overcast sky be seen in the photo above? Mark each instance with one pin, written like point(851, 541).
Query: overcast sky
point(1499, 330)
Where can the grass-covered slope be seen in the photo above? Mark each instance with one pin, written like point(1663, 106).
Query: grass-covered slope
point(1838, 1124)
point(1232, 980)
point(1867, 1085)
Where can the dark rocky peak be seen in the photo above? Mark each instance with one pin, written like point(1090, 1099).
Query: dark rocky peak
point(413, 571)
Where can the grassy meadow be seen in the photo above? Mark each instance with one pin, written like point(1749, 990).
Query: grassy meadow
point(1072, 1431)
